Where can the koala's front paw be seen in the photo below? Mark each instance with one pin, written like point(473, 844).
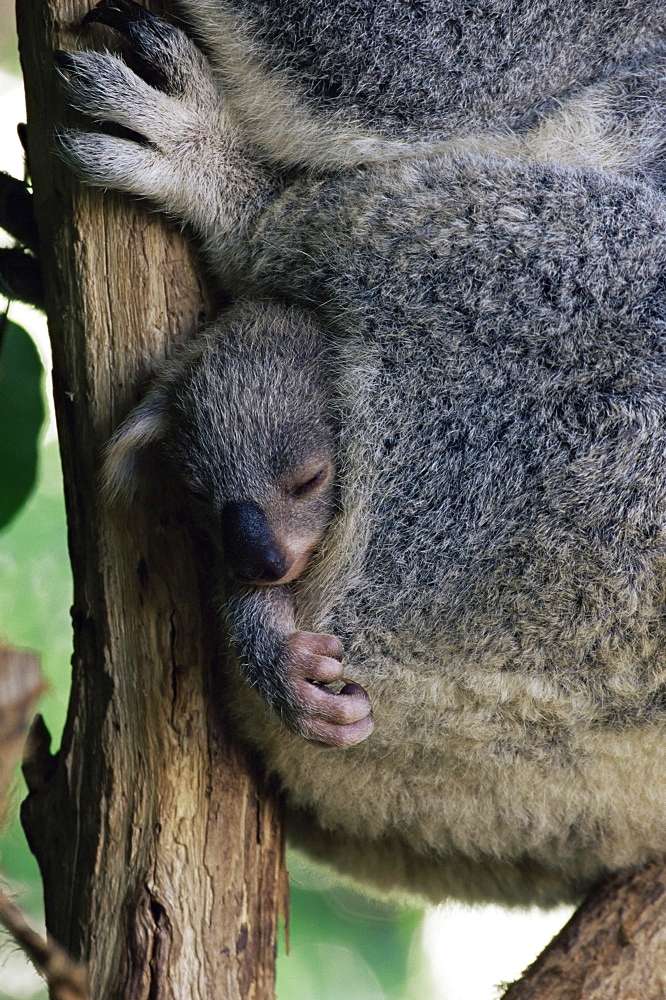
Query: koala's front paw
point(312, 661)
point(167, 116)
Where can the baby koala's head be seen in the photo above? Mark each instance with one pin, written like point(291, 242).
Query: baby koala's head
point(244, 417)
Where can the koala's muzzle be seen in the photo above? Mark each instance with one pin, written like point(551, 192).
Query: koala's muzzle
point(250, 549)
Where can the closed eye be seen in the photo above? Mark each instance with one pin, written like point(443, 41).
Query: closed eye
point(310, 484)
point(200, 502)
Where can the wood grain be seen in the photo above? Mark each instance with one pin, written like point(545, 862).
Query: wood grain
point(160, 846)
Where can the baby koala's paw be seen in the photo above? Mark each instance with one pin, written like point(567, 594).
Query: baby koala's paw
point(312, 662)
point(156, 120)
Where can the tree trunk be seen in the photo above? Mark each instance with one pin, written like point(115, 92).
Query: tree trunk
point(161, 850)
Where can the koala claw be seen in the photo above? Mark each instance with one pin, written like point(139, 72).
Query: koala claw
point(322, 716)
point(157, 117)
point(118, 14)
point(157, 47)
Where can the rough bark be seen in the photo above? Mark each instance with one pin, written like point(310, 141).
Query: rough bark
point(160, 849)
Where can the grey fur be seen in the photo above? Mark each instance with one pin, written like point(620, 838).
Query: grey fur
point(337, 78)
point(496, 310)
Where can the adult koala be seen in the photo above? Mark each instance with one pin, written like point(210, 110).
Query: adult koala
point(490, 317)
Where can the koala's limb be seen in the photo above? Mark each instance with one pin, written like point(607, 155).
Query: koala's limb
point(177, 146)
point(292, 669)
point(269, 106)
point(327, 88)
point(617, 125)
point(183, 151)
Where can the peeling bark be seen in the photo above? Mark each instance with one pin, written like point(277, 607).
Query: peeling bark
point(160, 847)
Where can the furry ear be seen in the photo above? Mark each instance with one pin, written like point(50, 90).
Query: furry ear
point(145, 425)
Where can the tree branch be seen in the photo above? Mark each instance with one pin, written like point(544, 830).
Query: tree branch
point(613, 948)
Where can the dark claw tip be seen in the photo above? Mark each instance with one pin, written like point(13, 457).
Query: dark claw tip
point(92, 15)
point(117, 14)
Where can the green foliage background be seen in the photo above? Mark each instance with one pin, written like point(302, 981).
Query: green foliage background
point(35, 579)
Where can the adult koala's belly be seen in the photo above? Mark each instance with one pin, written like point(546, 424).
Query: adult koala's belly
point(501, 769)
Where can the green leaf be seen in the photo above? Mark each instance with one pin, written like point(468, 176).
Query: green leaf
point(21, 418)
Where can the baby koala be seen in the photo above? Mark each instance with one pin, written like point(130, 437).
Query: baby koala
point(244, 418)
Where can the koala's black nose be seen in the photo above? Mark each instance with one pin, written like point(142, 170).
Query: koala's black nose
point(249, 545)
